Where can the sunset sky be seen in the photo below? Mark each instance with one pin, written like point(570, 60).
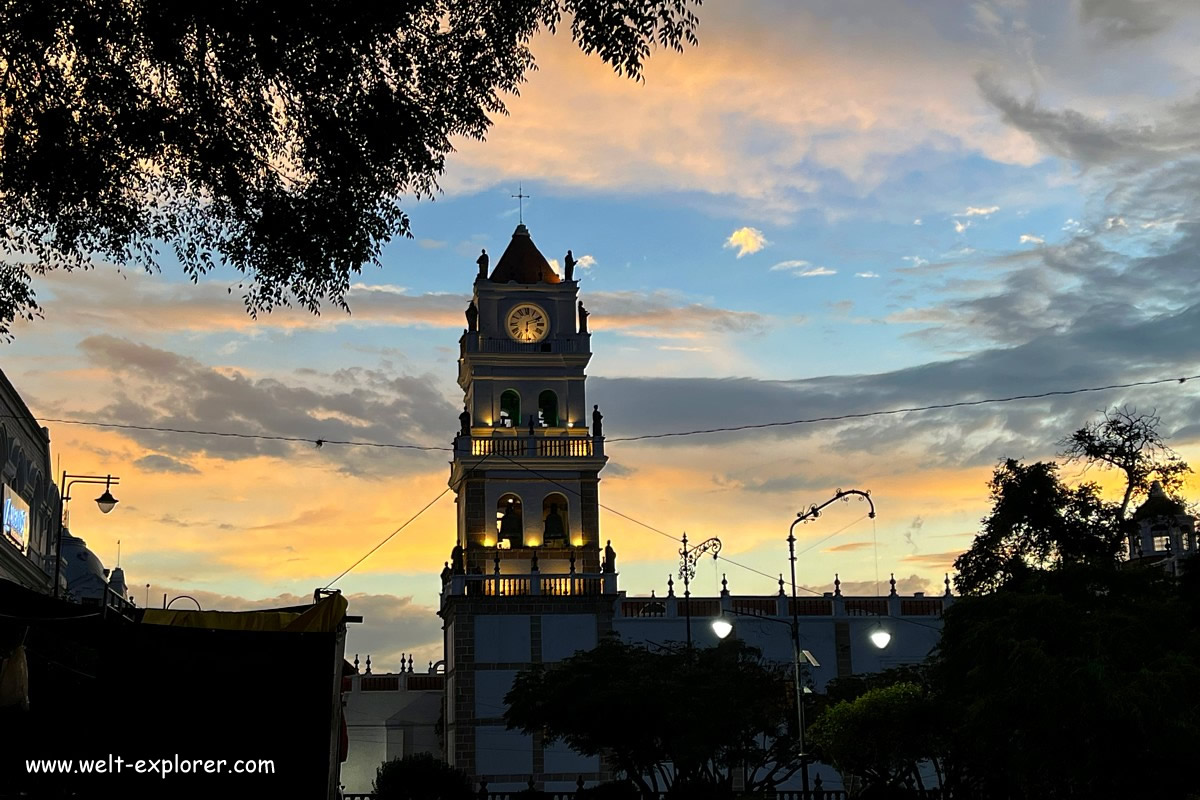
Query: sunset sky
point(825, 208)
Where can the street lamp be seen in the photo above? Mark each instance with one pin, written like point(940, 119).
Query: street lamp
point(722, 627)
point(880, 638)
point(106, 502)
point(688, 556)
point(803, 516)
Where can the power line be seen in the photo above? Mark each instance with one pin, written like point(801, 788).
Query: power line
point(319, 442)
point(934, 407)
point(390, 536)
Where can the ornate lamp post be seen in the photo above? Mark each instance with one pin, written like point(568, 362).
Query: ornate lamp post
point(722, 627)
point(106, 502)
point(804, 516)
point(688, 556)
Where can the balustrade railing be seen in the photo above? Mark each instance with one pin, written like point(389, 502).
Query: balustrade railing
point(533, 583)
point(525, 446)
point(781, 607)
point(484, 344)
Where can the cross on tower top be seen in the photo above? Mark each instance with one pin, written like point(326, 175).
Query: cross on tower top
point(521, 198)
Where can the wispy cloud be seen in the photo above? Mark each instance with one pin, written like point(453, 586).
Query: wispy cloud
point(960, 226)
point(916, 261)
point(1029, 238)
point(585, 262)
point(815, 272)
point(747, 240)
point(797, 263)
point(866, 274)
point(978, 211)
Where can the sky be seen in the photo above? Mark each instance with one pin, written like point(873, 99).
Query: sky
point(823, 209)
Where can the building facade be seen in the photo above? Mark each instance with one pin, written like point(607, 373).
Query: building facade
point(30, 499)
point(1163, 533)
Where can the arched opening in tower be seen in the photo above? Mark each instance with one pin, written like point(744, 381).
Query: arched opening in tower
point(510, 527)
point(510, 409)
point(555, 521)
point(548, 409)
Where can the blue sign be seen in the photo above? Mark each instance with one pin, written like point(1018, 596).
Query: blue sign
point(16, 519)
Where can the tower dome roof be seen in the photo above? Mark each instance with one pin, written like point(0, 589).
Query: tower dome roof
point(1158, 504)
point(522, 262)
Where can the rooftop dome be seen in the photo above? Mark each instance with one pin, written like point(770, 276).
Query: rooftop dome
point(522, 262)
point(1158, 504)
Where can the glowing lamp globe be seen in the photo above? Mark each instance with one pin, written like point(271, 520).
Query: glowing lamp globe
point(880, 638)
point(106, 501)
point(722, 628)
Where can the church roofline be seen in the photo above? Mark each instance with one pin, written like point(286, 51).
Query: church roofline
point(523, 263)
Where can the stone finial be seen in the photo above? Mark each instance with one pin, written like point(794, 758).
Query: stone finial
point(670, 586)
point(782, 593)
point(837, 585)
point(496, 562)
point(947, 582)
point(533, 563)
point(483, 790)
point(724, 584)
point(368, 672)
point(572, 561)
point(410, 662)
point(892, 593)
point(356, 662)
point(430, 667)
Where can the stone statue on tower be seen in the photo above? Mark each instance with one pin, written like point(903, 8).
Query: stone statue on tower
point(569, 266)
point(472, 317)
point(482, 261)
point(583, 315)
point(597, 422)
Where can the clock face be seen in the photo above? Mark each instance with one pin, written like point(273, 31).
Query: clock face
point(528, 323)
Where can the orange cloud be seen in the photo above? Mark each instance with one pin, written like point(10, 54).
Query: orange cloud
point(743, 112)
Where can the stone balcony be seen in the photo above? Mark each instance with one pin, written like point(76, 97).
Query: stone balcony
point(532, 583)
point(477, 343)
point(519, 444)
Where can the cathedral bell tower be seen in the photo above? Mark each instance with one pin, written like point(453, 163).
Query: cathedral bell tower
point(525, 584)
point(529, 451)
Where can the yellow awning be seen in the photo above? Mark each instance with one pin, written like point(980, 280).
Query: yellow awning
point(324, 617)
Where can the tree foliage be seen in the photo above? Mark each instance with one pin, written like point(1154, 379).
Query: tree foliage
point(1036, 523)
point(421, 776)
point(881, 735)
point(666, 719)
point(275, 137)
point(1080, 684)
point(1128, 441)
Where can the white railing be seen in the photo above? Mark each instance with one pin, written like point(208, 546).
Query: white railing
point(530, 446)
point(531, 584)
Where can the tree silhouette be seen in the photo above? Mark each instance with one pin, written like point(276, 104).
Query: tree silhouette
point(274, 137)
point(1128, 441)
point(1036, 523)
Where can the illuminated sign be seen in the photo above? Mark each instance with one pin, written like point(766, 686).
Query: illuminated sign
point(16, 519)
